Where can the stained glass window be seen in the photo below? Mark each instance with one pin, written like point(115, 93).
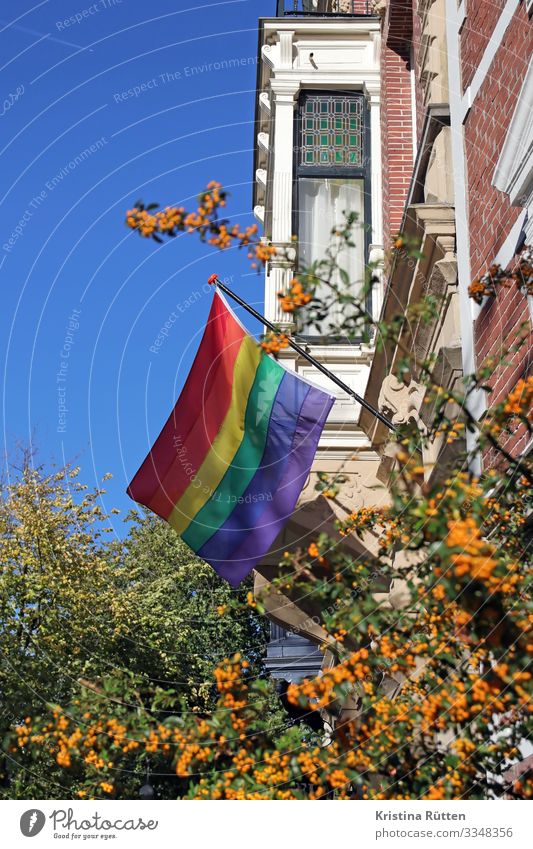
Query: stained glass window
point(331, 130)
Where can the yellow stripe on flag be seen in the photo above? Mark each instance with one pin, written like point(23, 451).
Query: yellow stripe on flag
point(226, 442)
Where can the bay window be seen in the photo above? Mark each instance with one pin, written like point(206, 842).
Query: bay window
point(332, 178)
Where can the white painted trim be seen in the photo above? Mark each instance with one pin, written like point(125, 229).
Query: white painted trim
point(413, 108)
point(462, 13)
point(507, 250)
point(285, 366)
point(376, 171)
point(346, 57)
point(337, 26)
point(467, 308)
point(514, 172)
point(488, 56)
point(466, 103)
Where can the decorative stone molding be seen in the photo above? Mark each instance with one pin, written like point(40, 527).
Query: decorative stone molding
point(387, 463)
point(264, 103)
point(283, 91)
point(379, 7)
point(447, 266)
point(438, 185)
point(401, 399)
point(442, 284)
point(435, 272)
point(285, 49)
point(280, 54)
point(285, 255)
point(376, 254)
point(261, 176)
point(432, 55)
point(268, 54)
point(448, 370)
point(262, 141)
point(436, 219)
point(357, 489)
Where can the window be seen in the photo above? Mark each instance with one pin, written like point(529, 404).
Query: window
point(332, 178)
point(323, 201)
point(331, 132)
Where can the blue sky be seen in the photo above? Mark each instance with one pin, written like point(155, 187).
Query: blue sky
point(131, 83)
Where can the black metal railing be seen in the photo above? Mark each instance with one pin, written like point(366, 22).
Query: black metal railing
point(291, 657)
point(324, 8)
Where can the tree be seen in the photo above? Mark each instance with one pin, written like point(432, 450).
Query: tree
point(140, 621)
point(55, 593)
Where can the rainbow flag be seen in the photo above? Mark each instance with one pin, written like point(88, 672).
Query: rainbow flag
point(228, 467)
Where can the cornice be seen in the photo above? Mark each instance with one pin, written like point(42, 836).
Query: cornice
point(341, 26)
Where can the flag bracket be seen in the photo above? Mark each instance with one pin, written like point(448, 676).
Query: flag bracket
point(214, 280)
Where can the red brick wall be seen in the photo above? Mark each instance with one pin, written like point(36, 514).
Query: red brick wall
point(497, 327)
point(396, 123)
point(490, 214)
point(482, 16)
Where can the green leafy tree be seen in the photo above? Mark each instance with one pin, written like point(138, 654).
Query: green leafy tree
point(140, 623)
point(178, 619)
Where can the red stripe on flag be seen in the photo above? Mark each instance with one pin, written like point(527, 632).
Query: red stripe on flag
point(202, 405)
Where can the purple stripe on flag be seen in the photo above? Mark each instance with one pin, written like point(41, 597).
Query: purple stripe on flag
point(311, 421)
point(262, 489)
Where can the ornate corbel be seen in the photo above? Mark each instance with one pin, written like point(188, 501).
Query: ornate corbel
point(400, 400)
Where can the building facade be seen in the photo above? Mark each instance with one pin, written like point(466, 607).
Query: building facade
point(491, 73)
point(418, 116)
point(318, 152)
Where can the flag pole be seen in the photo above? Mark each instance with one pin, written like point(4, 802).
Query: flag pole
point(214, 280)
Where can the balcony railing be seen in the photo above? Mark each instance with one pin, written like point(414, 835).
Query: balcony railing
point(324, 8)
point(291, 657)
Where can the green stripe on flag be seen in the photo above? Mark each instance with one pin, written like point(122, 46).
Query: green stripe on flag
point(246, 460)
